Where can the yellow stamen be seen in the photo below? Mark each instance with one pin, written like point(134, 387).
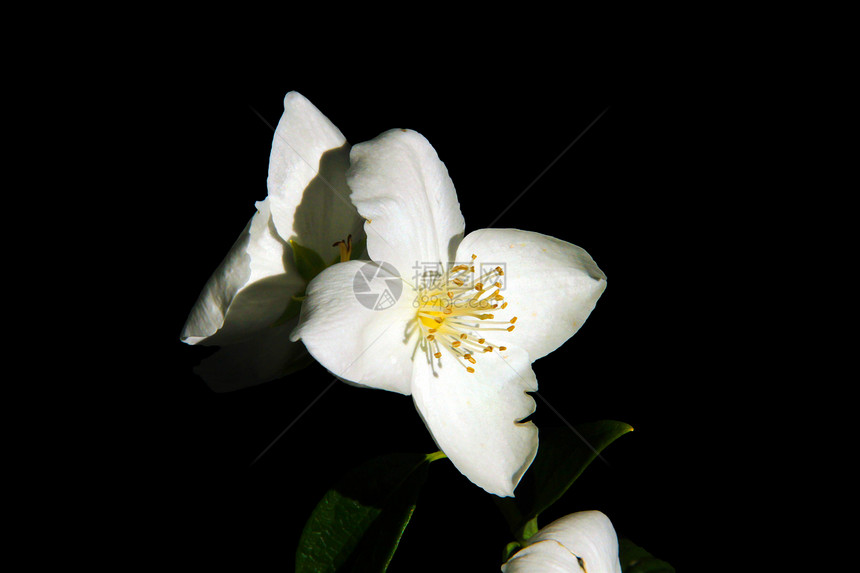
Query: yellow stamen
point(345, 248)
point(455, 310)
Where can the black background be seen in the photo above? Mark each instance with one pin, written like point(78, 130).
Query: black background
point(640, 190)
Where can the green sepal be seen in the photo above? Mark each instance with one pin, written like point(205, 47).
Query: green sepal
point(308, 262)
point(527, 530)
point(359, 522)
point(510, 549)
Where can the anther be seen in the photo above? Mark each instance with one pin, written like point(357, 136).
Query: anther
point(460, 309)
point(345, 248)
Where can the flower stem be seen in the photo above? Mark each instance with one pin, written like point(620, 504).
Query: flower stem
point(436, 456)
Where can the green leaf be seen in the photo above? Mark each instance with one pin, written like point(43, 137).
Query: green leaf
point(634, 559)
point(359, 522)
point(308, 262)
point(563, 454)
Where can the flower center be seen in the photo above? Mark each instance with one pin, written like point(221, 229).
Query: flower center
point(456, 309)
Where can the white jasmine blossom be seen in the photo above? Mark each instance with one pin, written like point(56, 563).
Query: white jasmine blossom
point(250, 304)
point(462, 342)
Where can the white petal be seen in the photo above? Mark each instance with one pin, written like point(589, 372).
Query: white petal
point(249, 290)
point(551, 286)
point(543, 557)
point(474, 417)
point(348, 337)
point(403, 189)
point(307, 179)
point(587, 534)
point(265, 356)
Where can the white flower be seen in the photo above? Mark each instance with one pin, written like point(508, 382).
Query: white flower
point(580, 542)
point(463, 346)
point(247, 306)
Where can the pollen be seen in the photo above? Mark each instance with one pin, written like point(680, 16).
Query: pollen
point(453, 313)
